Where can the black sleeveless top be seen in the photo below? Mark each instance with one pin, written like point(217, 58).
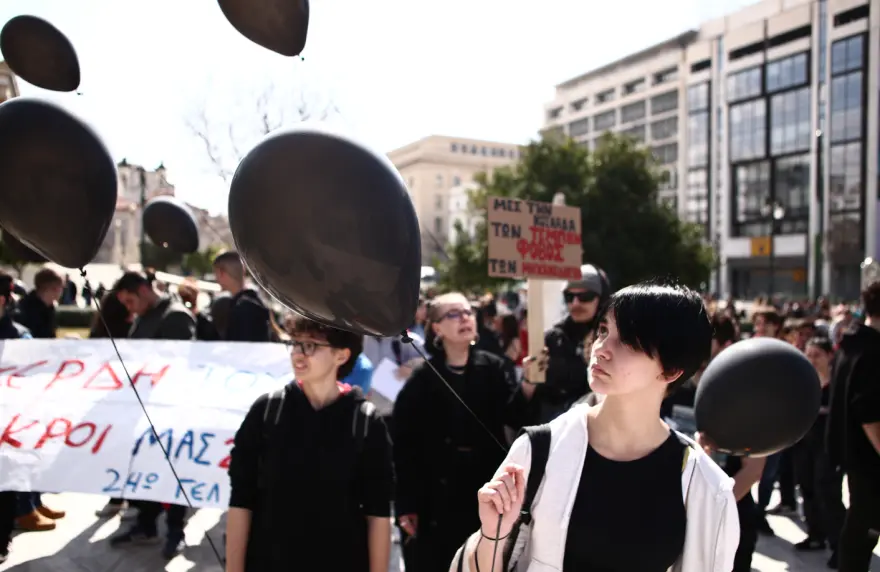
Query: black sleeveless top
point(628, 516)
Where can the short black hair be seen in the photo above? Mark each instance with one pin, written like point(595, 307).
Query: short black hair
point(871, 299)
point(131, 282)
point(723, 329)
point(7, 283)
point(664, 321)
point(338, 339)
point(823, 343)
point(230, 262)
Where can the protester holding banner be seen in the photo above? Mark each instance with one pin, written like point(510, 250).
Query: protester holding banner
point(157, 318)
point(311, 470)
point(441, 451)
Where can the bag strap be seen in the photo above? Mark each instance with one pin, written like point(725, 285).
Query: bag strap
point(360, 423)
point(272, 413)
point(539, 437)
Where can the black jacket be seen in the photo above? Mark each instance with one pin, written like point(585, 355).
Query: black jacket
point(566, 379)
point(855, 401)
point(167, 320)
point(442, 455)
point(248, 319)
point(36, 316)
point(10, 330)
point(308, 488)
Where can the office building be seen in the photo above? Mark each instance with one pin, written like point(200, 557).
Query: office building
point(432, 167)
point(776, 149)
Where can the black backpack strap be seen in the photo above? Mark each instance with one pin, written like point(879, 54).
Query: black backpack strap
point(539, 437)
point(271, 416)
point(360, 423)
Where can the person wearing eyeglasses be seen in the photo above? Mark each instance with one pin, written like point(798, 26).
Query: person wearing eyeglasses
point(442, 449)
point(311, 470)
point(566, 377)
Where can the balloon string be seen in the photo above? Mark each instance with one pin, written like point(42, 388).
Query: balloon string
point(156, 436)
point(405, 338)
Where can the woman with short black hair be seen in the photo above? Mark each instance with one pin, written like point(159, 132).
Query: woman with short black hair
point(621, 490)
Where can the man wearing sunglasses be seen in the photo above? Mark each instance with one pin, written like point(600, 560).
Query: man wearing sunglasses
point(566, 375)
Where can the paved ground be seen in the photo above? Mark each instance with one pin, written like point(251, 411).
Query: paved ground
point(78, 545)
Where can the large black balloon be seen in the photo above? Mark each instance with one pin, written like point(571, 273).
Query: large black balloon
point(170, 223)
point(40, 54)
point(19, 251)
point(757, 397)
point(58, 184)
point(278, 25)
point(327, 227)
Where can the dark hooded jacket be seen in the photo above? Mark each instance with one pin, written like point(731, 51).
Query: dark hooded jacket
point(248, 319)
point(36, 316)
point(855, 401)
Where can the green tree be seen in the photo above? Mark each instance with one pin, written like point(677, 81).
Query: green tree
point(465, 271)
point(201, 262)
point(625, 229)
point(158, 257)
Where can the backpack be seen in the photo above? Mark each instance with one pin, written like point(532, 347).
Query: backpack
point(360, 421)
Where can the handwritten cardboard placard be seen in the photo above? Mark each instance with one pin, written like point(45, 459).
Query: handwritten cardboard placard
point(530, 239)
point(71, 423)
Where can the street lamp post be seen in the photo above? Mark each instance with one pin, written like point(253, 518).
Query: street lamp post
point(143, 203)
point(775, 211)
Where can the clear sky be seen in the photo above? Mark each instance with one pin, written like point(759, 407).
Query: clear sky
point(397, 70)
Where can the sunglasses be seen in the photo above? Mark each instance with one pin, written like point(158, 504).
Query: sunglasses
point(457, 314)
point(582, 297)
point(306, 348)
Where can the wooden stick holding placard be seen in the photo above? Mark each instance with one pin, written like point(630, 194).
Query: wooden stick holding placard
point(540, 242)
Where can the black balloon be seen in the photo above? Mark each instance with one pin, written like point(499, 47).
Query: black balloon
point(327, 227)
point(170, 223)
point(278, 25)
point(20, 251)
point(58, 186)
point(757, 397)
point(40, 54)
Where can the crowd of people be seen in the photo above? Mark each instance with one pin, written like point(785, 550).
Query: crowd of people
point(327, 473)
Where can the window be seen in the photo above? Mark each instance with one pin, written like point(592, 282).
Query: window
point(696, 208)
point(438, 202)
point(744, 84)
point(579, 104)
point(664, 128)
point(748, 130)
point(439, 182)
point(456, 181)
point(847, 54)
point(787, 72)
point(698, 97)
point(664, 102)
point(791, 188)
point(637, 132)
point(669, 181)
point(453, 147)
point(632, 112)
point(790, 122)
point(634, 86)
point(579, 127)
point(698, 139)
point(845, 175)
point(846, 107)
point(751, 184)
point(666, 154)
point(553, 113)
point(666, 76)
point(605, 96)
point(438, 225)
point(604, 121)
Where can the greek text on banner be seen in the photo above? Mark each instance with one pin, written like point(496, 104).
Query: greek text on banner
point(71, 423)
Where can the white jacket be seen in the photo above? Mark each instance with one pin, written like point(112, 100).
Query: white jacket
point(712, 534)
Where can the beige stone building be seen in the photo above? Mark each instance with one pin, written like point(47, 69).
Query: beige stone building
point(8, 83)
point(766, 119)
point(432, 167)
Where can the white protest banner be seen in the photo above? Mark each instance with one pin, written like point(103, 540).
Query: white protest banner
point(71, 423)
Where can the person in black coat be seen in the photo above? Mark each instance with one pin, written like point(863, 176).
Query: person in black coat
point(36, 311)
point(249, 319)
point(441, 452)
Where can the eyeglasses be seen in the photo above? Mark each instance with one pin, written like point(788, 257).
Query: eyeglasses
point(582, 297)
point(306, 348)
point(457, 314)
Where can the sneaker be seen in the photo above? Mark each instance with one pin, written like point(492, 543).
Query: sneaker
point(810, 545)
point(135, 536)
point(128, 514)
point(49, 513)
point(109, 510)
point(173, 545)
point(34, 522)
